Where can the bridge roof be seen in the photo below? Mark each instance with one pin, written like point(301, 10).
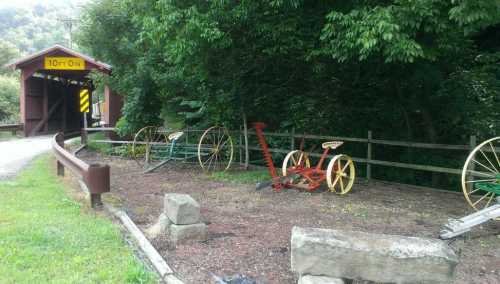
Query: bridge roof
point(36, 59)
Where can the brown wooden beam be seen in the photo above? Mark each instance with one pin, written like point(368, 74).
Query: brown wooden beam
point(45, 107)
point(43, 121)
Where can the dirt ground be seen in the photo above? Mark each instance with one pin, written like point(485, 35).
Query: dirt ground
point(249, 230)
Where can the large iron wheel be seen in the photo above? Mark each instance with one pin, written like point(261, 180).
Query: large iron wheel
point(481, 174)
point(340, 174)
point(215, 149)
point(149, 146)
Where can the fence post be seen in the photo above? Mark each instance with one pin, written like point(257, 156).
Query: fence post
point(472, 142)
point(60, 142)
point(83, 136)
point(292, 140)
point(187, 141)
point(472, 145)
point(369, 156)
point(241, 146)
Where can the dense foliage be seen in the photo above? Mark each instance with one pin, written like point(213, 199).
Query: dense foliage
point(424, 70)
point(23, 30)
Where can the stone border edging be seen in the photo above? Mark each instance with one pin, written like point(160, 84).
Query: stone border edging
point(161, 266)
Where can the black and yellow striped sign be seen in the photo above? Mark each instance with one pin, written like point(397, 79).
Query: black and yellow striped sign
point(84, 100)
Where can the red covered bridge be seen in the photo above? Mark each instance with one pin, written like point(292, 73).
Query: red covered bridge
point(50, 83)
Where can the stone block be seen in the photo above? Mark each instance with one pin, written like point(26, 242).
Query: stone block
point(373, 257)
point(180, 233)
point(311, 279)
point(161, 227)
point(181, 209)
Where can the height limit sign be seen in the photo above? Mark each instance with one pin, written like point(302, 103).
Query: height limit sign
point(84, 101)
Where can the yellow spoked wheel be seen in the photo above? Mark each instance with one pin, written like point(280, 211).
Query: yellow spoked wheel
point(296, 159)
point(215, 149)
point(481, 174)
point(340, 174)
point(149, 146)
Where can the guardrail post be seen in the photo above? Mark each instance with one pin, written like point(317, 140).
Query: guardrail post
point(98, 182)
point(83, 136)
point(369, 156)
point(60, 142)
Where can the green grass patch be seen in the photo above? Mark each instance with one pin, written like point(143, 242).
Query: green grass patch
point(242, 176)
point(46, 237)
point(98, 147)
point(7, 135)
point(107, 148)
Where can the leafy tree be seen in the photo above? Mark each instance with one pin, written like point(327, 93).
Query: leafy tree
point(418, 70)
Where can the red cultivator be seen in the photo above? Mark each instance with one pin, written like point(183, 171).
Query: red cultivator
point(297, 171)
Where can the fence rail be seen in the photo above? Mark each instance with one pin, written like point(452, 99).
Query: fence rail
point(96, 177)
point(369, 141)
point(11, 127)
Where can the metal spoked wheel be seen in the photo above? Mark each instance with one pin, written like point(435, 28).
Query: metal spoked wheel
point(340, 174)
point(481, 174)
point(215, 149)
point(149, 146)
point(296, 159)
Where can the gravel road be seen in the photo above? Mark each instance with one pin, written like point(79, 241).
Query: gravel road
point(15, 154)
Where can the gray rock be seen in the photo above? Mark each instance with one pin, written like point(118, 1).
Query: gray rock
point(310, 279)
point(373, 257)
point(180, 233)
point(161, 227)
point(181, 209)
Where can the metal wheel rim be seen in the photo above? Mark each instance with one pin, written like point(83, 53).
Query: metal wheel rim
point(302, 157)
point(489, 171)
point(151, 135)
point(335, 179)
point(221, 141)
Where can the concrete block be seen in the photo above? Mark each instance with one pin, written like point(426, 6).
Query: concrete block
point(180, 233)
point(181, 209)
point(161, 227)
point(311, 279)
point(373, 257)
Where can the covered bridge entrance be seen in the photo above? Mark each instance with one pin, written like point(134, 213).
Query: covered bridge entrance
point(51, 81)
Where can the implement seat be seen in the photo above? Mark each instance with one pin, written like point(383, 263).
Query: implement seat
point(174, 136)
point(332, 144)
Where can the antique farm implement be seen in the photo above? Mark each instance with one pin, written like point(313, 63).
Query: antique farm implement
point(154, 147)
point(297, 171)
point(481, 187)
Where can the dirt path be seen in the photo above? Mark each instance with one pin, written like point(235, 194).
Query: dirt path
point(249, 231)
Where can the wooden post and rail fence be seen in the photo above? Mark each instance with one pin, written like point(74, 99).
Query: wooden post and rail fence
point(367, 160)
point(369, 141)
point(13, 128)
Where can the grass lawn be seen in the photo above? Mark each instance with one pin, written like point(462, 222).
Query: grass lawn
point(47, 237)
point(242, 176)
point(7, 135)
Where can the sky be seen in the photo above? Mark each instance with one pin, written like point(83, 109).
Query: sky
point(27, 3)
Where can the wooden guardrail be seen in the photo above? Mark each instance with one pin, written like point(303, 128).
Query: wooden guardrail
point(95, 177)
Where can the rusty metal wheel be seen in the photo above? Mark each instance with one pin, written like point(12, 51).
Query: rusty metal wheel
point(215, 149)
point(149, 146)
